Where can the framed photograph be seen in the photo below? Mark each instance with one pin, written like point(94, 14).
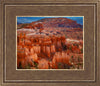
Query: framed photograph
point(49, 42)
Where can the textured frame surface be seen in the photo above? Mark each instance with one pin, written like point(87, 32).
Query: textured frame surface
point(95, 82)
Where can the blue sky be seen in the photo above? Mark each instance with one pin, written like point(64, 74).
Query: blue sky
point(32, 19)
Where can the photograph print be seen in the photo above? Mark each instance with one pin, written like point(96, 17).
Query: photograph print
point(50, 42)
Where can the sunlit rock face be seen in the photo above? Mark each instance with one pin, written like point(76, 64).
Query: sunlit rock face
point(43, 49)
point(48, 52)
point(61, 58)
point(43, 64)
point(58, 43)
point(35, 49)
point(53, 49)
point(32, 47)
point(45, 44)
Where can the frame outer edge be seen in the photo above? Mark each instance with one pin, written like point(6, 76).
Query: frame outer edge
point(50, 1)
point(43, 84)
point(1, 44)
point(98, 43)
